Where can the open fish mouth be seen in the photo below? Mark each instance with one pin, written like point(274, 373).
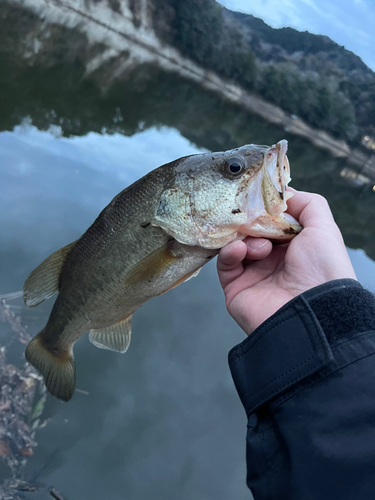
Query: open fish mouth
point(270, 219)
point(276, 177)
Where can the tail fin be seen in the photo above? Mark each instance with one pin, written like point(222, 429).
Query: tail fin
point(57, 368)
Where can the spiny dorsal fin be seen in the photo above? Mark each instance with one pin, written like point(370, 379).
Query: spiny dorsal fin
point(57, 368)
point(43, 282)
point(115, 337)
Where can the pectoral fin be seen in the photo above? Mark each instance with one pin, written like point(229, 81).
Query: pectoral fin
point(194, 274)
point(43, 282)
point(153, 265)
point(115, 337)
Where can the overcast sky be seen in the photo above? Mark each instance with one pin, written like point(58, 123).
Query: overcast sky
point(348, 22)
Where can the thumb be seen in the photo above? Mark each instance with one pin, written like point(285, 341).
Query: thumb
point(310, 209)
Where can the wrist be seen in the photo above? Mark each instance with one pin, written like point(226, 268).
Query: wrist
point(297, 341)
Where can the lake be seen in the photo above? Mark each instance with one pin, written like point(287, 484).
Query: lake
point(162, 421)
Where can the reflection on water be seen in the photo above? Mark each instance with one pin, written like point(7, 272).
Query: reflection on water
point(355, 178)
point(147, 97)
point(163, 420)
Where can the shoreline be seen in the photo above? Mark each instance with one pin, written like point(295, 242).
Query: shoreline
point(128, 39)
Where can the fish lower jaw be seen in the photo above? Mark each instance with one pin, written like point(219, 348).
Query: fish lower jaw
point(213, 243)
point(282, 227)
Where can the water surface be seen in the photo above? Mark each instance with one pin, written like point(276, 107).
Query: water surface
point(162, 421)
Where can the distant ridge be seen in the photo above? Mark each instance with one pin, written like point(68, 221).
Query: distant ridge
point(307, 75)
point(291, 44)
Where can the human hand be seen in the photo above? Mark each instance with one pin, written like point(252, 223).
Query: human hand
point(259, 278)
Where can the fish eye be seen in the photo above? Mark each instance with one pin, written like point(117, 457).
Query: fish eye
point(234, 166)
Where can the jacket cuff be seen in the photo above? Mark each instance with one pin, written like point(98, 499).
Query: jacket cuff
point(296, 341)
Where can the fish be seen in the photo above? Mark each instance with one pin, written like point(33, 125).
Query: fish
point(154, 235)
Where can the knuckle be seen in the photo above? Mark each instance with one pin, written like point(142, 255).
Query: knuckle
point(227, 302)
point(321, 203)
point(228, 297)
point(318, 198)
point(224, 265)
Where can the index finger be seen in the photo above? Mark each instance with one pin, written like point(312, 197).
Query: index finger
point(229, 262)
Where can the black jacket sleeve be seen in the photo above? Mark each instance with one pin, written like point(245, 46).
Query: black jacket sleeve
point(306, 378)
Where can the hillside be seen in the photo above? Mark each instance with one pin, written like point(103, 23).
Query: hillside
point(307, 51)
point(307, 75)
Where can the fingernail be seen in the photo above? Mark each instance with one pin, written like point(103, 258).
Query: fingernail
point(256, 245)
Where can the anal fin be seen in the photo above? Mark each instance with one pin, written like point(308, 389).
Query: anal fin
point(115, 337)
point(43, 282)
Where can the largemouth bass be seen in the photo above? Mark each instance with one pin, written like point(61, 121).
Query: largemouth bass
point(154, 235)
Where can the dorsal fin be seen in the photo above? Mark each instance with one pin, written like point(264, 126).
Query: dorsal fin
point(43, 282)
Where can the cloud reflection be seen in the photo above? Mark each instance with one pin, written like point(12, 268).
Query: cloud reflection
point(47, 181)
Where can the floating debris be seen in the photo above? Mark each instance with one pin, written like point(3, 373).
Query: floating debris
point(12, 296)
point(55, 494)
point(86, 393)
